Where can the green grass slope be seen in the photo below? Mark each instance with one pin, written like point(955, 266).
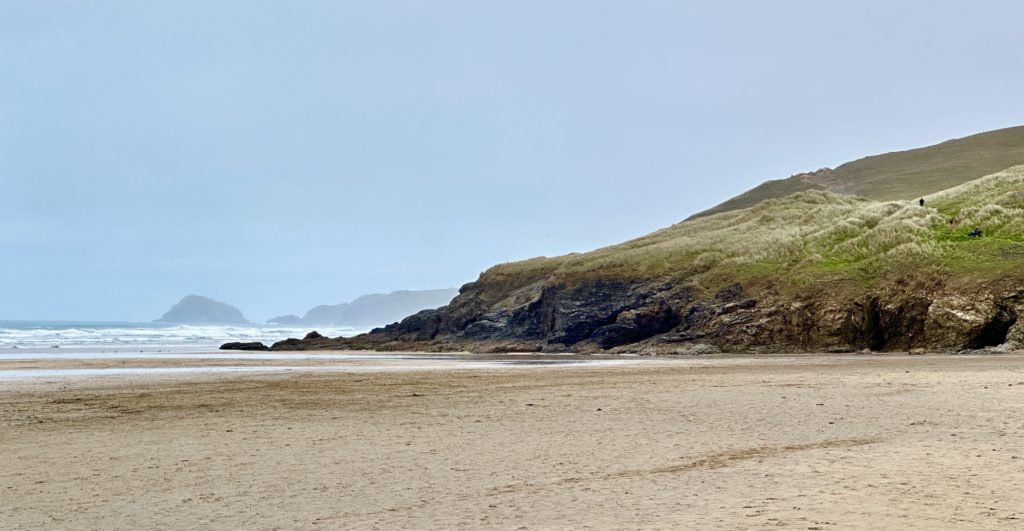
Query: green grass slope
point(900, 175)
point(818, 235)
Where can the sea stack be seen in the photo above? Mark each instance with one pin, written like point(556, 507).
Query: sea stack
point(196, 309)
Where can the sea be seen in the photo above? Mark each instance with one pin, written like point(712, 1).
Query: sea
point(115, 335)
point(128, 351)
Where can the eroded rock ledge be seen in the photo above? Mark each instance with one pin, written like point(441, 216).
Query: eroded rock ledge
point(660, 317)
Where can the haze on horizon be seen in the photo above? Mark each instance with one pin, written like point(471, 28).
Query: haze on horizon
point(281, 155)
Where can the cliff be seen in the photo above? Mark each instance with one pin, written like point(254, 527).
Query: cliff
point(812, 271)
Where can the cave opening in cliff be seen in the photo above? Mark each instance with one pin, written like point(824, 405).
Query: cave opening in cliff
point(874, 331)
point(995, 330)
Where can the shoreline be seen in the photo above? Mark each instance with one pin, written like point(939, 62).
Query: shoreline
point(69, 363)
point(21, 366)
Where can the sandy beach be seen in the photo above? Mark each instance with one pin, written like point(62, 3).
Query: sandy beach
point(804, 442)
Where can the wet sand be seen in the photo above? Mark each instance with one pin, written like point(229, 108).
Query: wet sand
point(805, 442)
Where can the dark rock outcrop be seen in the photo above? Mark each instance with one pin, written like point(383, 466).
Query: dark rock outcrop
point(253, 345)
point(595, 315)
point(422, 326)
point(634, 325)
point(660, 317)
point(312, 341)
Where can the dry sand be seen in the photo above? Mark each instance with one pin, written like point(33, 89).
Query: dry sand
point(814, 442)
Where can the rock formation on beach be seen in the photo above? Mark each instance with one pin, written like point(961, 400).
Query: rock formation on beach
point(851, 261)
point(251, 345)
point(196, 309)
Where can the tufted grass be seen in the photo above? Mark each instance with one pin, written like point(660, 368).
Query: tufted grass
point(815, 236)
point(903, 175)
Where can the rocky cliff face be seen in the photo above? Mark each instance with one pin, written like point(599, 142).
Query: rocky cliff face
point(655, 317)
point(600, 315)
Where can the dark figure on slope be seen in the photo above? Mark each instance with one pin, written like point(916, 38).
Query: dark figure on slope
point(920, 201)
point(976, 233)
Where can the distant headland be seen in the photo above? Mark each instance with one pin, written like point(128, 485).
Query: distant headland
point(196, 309)
point(364, 312)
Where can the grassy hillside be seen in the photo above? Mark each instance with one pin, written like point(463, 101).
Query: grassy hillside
point(901, 175)
point(815, 235)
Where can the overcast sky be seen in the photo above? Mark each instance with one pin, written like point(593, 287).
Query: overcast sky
point(279, 155)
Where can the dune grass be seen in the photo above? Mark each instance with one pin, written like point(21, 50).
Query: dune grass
point(904, 175)
point(815, 235)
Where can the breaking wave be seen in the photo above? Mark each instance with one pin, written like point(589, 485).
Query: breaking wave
point(36, 334)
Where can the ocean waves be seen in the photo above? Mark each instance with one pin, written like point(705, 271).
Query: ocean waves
point(43, 334)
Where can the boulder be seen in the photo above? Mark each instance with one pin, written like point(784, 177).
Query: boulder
point(252, 345)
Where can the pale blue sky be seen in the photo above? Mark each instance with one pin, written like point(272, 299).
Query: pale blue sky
point(279, 155)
